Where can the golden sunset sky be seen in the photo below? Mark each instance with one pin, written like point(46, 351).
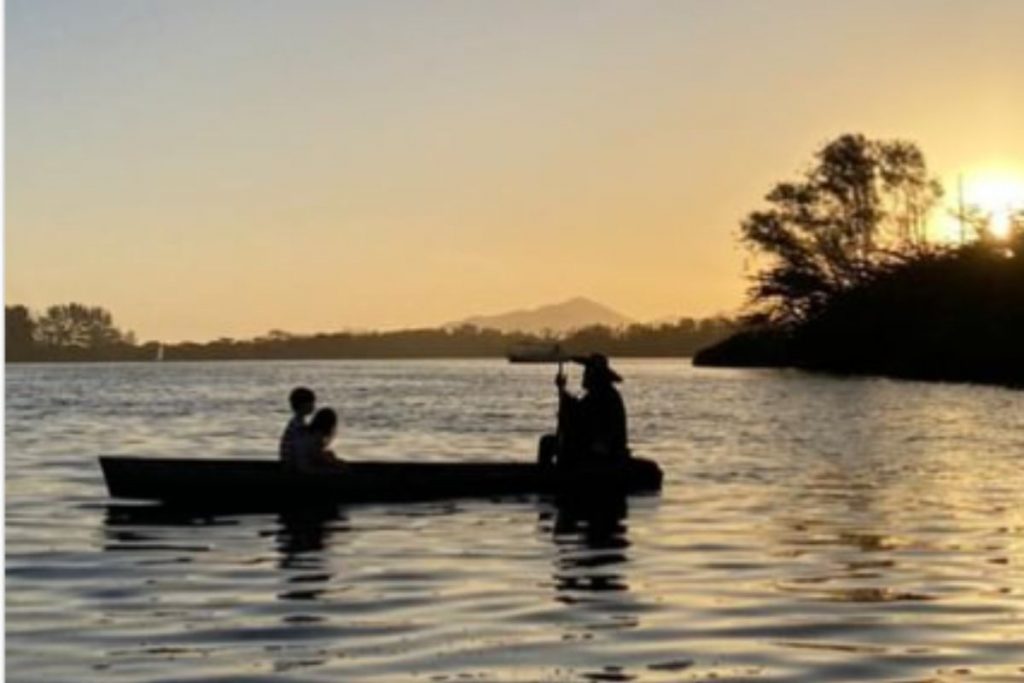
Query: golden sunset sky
point(209, 168)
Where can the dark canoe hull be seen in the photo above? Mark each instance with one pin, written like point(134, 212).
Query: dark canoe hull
point(253, 484)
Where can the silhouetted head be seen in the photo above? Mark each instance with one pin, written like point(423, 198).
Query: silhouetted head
point(302, 400)
point(324, 422)
point(596, 372)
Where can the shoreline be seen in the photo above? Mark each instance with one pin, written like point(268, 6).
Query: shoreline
point(135, 361)
point(752, 351)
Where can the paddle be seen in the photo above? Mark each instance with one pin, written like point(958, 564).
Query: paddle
point(545, 353)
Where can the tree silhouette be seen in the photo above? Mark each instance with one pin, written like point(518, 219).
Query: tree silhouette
point(20, 332)
point(78, 325)
point(863, 205)
point(851, 285)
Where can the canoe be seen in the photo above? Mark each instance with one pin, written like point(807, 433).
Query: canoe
point(266, 484)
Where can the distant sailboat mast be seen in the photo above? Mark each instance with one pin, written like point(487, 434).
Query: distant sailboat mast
point(159, 352)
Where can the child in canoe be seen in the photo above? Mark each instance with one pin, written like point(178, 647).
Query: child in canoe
point(313, 451)
point(303, 402)
point(306, 446)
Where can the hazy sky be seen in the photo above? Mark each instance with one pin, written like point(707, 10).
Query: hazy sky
point(223, 167)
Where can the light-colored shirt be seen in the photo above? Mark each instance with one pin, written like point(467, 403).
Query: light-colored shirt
point(310, 452)
point(292, 438)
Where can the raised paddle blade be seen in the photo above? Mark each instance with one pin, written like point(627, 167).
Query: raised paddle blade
point(537, 353)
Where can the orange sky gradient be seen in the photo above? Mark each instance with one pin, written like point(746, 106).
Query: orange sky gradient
point(208, 169)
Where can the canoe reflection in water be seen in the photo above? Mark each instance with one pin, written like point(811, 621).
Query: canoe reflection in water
point(318, 587)
point(151, 527)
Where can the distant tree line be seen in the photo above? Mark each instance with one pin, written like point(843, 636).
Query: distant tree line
point(80, 333)
point(66, 332)
point(846, 279)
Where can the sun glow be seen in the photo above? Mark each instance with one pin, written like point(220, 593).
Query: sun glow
point(995, 194)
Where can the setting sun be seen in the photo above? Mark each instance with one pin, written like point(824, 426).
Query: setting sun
point(997, 194)
point(992, 192)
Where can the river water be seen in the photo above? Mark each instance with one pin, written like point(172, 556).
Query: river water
point(810, 529)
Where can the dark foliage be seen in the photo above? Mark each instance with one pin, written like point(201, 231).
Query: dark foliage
point(861, 207)
point(756, 347)
point(65, 332)
point(911, 309)
point(956, 315)
point(20, 330)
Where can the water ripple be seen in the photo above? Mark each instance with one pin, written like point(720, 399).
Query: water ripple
point(811, 529)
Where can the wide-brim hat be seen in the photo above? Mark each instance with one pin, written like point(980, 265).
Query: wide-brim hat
point(598, 363)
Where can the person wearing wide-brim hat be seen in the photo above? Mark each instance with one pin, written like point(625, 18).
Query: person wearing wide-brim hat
point(592, 426)
point(597, 370)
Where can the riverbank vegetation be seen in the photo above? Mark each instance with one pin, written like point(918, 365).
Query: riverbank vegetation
point(81, 333)
point(848, 278)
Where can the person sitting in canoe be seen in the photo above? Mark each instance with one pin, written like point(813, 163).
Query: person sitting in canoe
point(312, 451)
point(591, 427)
point(303, 402)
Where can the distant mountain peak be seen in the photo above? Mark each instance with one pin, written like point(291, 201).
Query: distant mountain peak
point(566, 316)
